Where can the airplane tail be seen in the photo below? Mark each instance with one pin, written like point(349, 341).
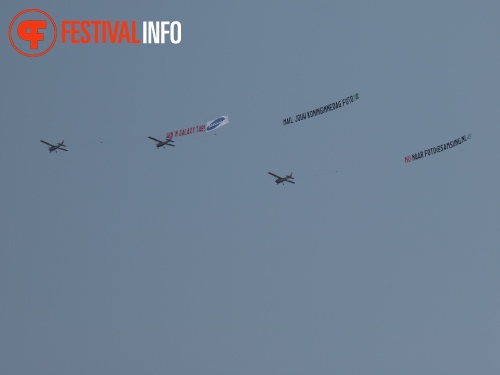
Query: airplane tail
point(290, 176)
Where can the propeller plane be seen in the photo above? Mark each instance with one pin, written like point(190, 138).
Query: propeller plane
point(164, 143)
point(59, 146)
point(282, 180)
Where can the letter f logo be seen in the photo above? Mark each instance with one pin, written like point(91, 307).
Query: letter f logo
point(36, 27)
point(28, 30)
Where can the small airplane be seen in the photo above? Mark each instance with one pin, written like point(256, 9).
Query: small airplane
point(282, 180)
point(162, 143)
point(59, 146)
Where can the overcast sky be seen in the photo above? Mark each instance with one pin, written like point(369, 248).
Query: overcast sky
point(116, 257)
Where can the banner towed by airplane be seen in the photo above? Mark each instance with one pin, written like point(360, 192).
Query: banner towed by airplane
point(435, 150)
point(319, 111)
point(205, 128)
point(217, 123)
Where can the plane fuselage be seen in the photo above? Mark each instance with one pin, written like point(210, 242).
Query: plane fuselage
point(164, 143)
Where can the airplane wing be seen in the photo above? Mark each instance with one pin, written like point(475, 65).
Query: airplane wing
point(60, 148)
point(272, 174)
point(154, 139)
point(47, 143)
point(168, 144)
point(290, 181)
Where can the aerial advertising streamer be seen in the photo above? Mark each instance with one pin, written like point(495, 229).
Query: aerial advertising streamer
point(321, 110)
point(435, 150)
point(187, 131)
point(217, 123)
point(207, 127)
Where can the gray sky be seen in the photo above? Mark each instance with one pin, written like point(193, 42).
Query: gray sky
point(116, 257)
